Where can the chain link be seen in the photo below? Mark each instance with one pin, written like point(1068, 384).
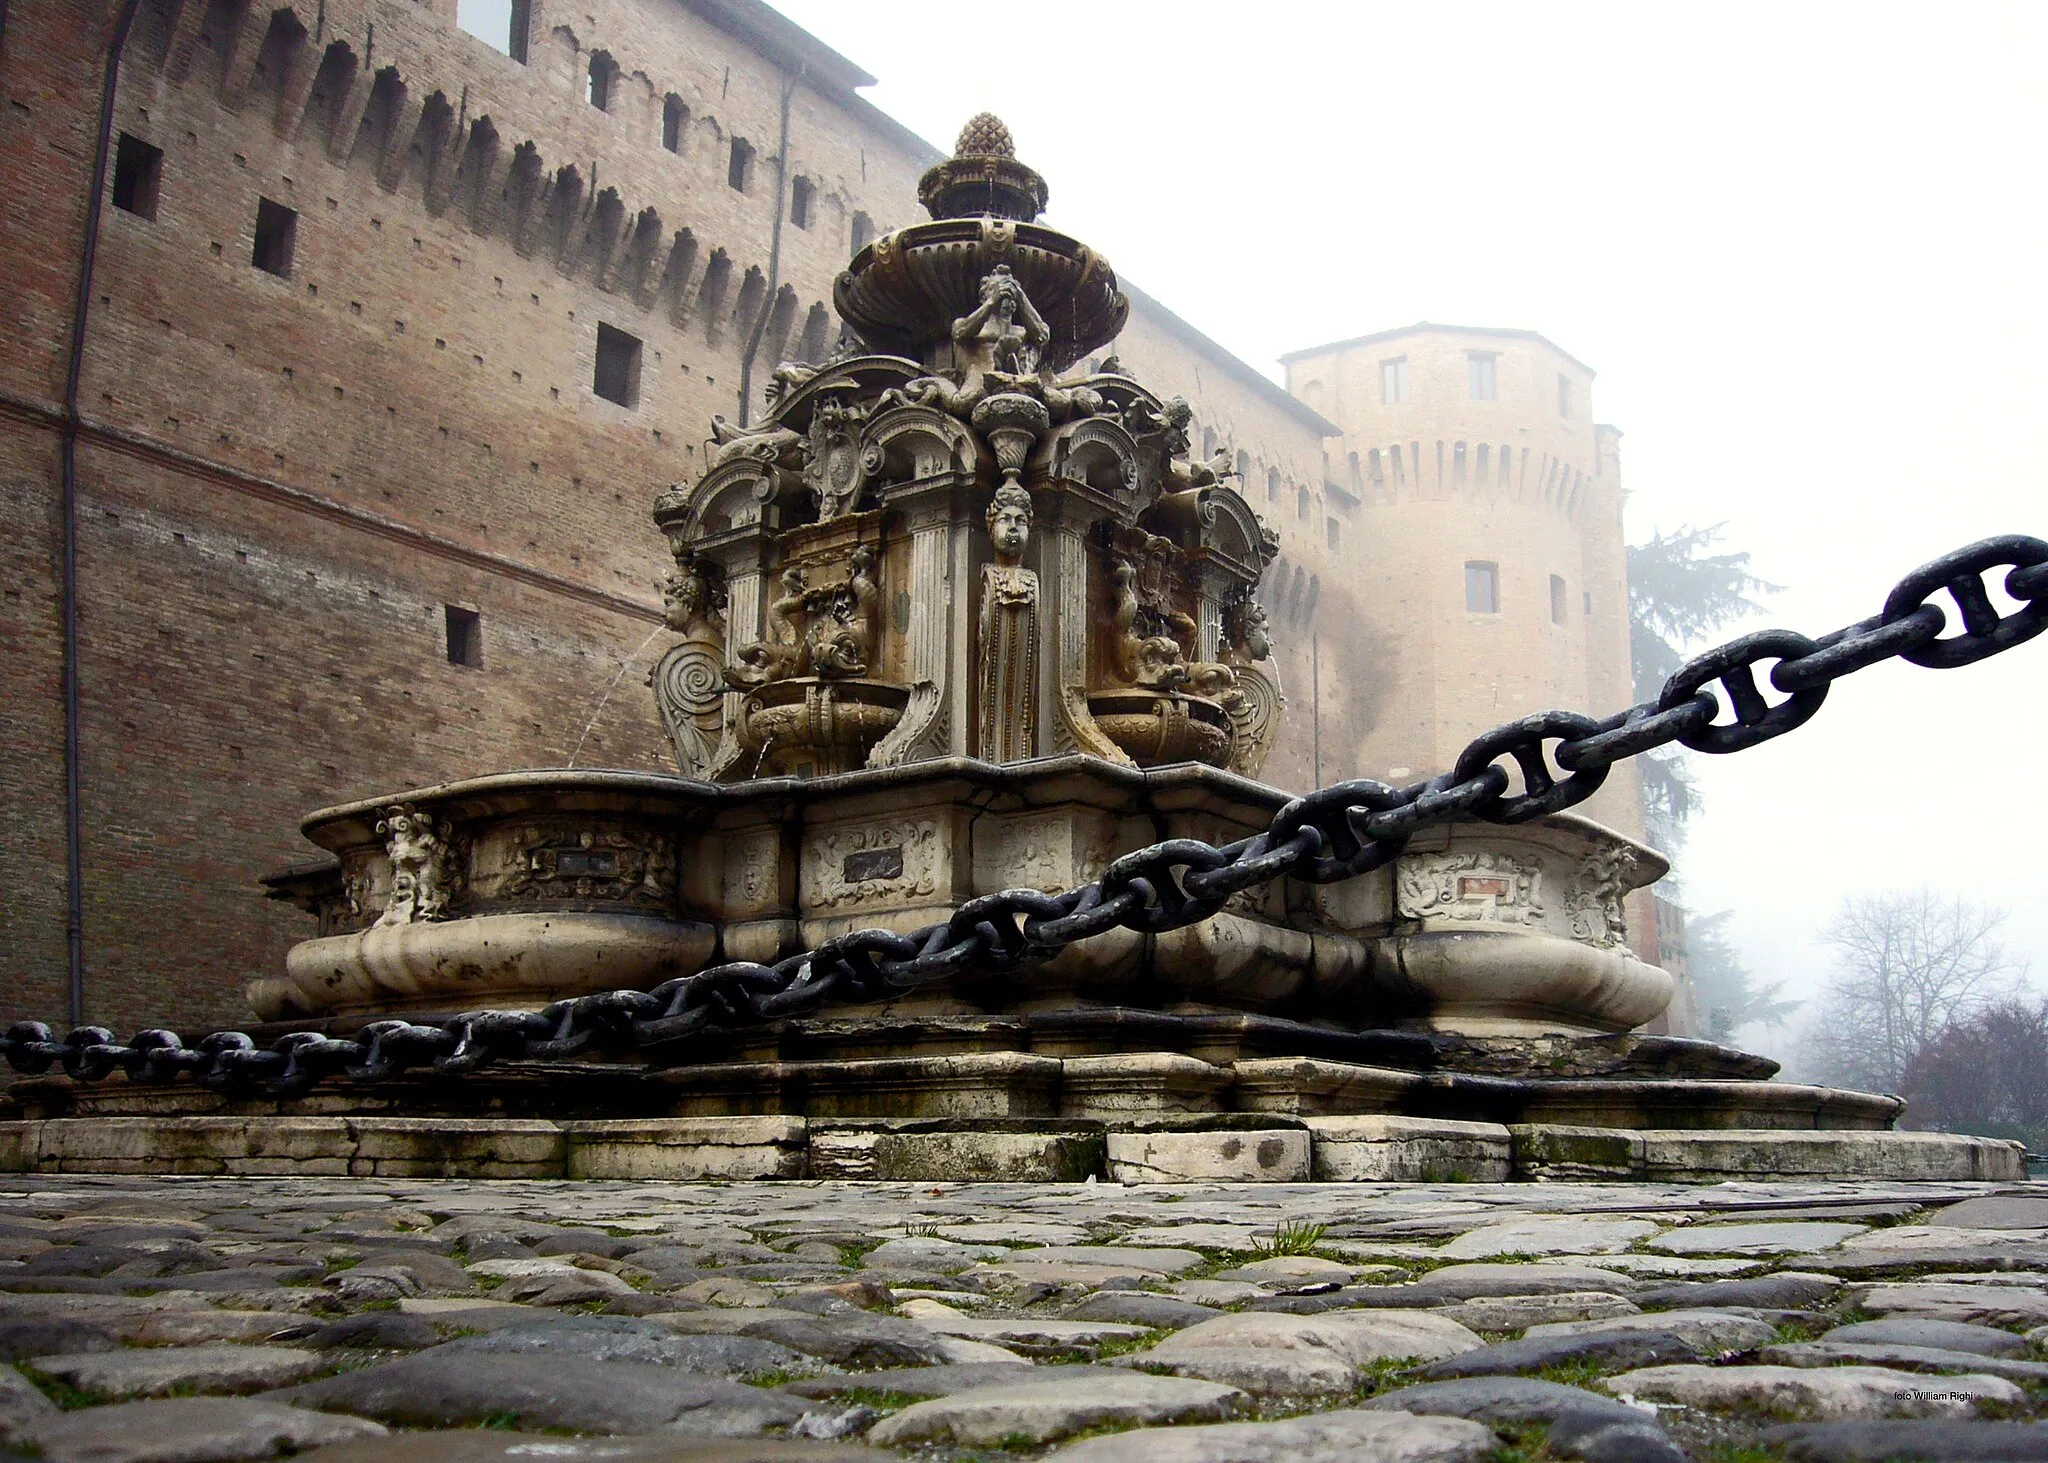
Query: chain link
point(1329, 835)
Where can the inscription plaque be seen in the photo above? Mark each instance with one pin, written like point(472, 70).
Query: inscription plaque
point(872, 863)
point(575, 863)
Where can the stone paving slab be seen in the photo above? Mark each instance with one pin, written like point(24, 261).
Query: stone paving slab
point(193, 1430)
point(784, 1319)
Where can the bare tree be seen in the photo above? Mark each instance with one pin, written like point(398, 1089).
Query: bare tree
point(1908, 966)
point(1987, 1075)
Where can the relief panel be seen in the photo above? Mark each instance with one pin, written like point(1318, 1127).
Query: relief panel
point(1479, 887)
point(854, 865)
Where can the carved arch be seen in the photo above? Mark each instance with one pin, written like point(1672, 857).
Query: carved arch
point(916, 442)
point(1095, 454)
point(735, 494)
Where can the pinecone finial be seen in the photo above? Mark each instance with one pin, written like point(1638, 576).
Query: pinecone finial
point(985, 136)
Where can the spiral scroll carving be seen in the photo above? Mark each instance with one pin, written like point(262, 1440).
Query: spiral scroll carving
point(689, 684)
point(1254, 711)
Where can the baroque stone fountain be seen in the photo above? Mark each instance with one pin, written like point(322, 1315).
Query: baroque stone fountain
point(959, 614)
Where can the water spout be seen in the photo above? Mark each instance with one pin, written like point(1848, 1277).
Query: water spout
point(624, 666)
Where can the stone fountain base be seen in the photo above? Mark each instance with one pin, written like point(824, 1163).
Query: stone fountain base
point(519, 889)
point(1467, 1010)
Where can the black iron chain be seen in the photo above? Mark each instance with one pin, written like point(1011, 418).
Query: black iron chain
point(1335, 833)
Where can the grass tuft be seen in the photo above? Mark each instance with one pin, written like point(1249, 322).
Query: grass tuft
point(1295, 1237)
point(851, 1254)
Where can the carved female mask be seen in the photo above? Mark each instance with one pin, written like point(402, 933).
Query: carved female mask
point(1009, 524)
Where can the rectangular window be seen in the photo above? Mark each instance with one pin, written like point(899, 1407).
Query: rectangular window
point(1564, 395)
point(618, 366)
point(1588, 598)
point(604, 77)
point(1333, 533)
point(138, 168)
point(863, 231)
point(739, 170)
point(675, 120)
point(1482, 588)
point(465, 636)
point(1558, 599)
point(1480, 369)
point(800, 192)
point(277, 229)
point(1394, 381)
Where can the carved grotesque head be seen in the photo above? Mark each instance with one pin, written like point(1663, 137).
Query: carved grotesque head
point(682, 598)
point(1246, 629)
point(1009, 521)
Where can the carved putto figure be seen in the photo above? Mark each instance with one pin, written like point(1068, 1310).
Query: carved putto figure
point(828, 631)
point(997, 346)
point(423, 876)
point(1009, 632)
point(1155, 662)
point(1595, 906)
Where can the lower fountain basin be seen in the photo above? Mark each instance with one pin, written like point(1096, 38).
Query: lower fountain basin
point(1512, 983)
point(503, 961)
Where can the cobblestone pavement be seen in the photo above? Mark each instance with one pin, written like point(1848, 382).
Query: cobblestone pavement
point(395, 1321)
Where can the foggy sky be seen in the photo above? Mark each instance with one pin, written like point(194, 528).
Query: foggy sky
point(1802, 245)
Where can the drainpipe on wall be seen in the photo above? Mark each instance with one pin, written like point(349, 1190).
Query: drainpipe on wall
point(1315, 681)
point(74, 833)
point(789, 87)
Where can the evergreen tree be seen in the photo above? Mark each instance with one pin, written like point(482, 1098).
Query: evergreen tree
point(1728, 997)
point(1678, 595)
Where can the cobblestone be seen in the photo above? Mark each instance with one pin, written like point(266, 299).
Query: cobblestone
point(941, 1322)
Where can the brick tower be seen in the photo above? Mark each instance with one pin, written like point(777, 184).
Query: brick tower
point(1487, 573)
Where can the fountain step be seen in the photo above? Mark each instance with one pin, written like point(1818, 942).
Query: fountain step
point(1213, 1036)
point(1124, 1089)
point(728, 1148)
